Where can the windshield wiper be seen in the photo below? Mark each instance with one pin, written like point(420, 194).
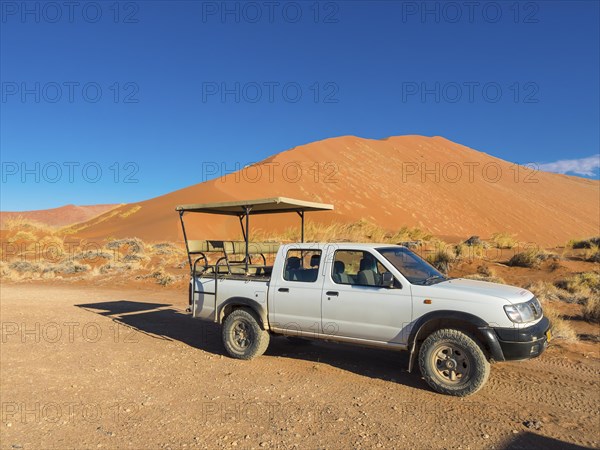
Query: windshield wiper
point(433, 278)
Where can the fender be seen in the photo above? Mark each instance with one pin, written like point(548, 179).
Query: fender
point(436, 320)
point(259, 309)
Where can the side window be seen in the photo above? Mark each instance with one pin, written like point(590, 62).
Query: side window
point(358, 268)
point(302, 265)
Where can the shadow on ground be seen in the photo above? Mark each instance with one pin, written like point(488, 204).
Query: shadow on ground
point(163, 321)
point(532, 441)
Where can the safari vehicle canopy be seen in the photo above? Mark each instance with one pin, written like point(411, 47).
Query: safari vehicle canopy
point(242, 210)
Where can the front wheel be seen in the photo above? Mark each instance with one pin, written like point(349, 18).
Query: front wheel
point(452, 363)
point(243, 337)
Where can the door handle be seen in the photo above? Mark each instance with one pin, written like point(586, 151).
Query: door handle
point(332, 293)
point(283, 290)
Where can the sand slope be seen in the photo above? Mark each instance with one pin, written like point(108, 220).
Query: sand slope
point(59, 217)
point(429, 182)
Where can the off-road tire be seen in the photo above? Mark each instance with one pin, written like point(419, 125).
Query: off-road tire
point(446, 351)
point(242, 335)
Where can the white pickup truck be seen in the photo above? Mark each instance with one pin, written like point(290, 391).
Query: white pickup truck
point(377, 295)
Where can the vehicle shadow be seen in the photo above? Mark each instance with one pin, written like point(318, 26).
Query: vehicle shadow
point(532, 441)
point(161, 321)
point(164, 321)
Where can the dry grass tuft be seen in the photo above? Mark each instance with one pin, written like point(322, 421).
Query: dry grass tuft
point(592, 254)
point(561, 328)
point(531, 258)
point(488, 278)
point(584, 243)
point(591, 309)
point(20, 223)
point(359, 231)
point(130, 211)
point(126, 245)
point(503, 240)
point(442, 259)
point(469, 252)
point(583, 289)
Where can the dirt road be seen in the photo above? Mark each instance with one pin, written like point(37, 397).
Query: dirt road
point(88, 368)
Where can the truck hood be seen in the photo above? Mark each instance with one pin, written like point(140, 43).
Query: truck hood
point(456, 286)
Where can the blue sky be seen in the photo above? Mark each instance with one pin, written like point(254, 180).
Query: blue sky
point(106, 102)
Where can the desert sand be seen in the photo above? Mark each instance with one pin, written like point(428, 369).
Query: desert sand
point(127, 368)
point(429, 182)
point(58, 217)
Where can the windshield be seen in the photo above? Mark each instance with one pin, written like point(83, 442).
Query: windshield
point(415, 269)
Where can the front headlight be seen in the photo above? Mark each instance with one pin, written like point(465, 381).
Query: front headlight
point(524, 312)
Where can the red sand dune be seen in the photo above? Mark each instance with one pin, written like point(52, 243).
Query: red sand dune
point(382, 181)
point(59, 217)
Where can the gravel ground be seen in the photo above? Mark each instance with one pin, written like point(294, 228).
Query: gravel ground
point(88, 368)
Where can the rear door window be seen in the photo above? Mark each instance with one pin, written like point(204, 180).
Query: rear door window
point(302, 265)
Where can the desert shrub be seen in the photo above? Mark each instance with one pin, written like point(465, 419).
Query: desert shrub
point(576, 293)
point(555, 265)
point(408, 234)
point(132, 258)
point(580, 282)
point(129, 245)
point(442, 259)
point(560, 328)
point(163, 278)
point(545, 291)
point(546, 294)
point(592, 254)
point(5, 271)
point(67, 268)
point(584, 243)
point(359, 231)
point(489, 278)
point(23, 236)
point(92, 255)
point(21, 223)
point(503, 240)
point(470, 252)
point(24, 266)
point(530, 258)
point(591, 309)
point(166, 248)
point(485, 270)
point(116, 267)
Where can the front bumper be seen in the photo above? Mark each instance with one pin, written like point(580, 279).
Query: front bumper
point(524, 343)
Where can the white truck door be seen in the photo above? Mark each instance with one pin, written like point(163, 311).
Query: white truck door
point(296, 304)
point(356, 305)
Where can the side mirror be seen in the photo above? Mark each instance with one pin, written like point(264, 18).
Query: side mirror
point(387, 280)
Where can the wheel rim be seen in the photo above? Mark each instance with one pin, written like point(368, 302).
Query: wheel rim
point(241, 335)
point(451, 363)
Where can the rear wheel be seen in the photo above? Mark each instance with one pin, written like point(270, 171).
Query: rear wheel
point(243, 337)
point(452, 363)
